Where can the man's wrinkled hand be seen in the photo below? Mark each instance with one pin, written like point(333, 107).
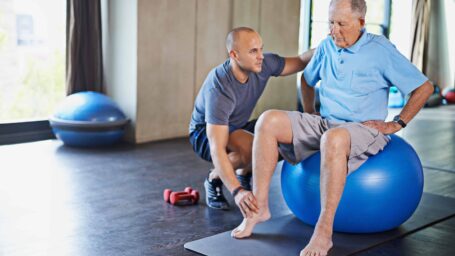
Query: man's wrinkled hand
point(247, 203)
point(383, 127)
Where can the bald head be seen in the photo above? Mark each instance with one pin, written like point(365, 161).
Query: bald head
point(245, 47)
point(359, 7)
point(233, 36)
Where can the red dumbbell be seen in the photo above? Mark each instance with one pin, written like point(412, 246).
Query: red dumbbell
point(167, 193)
point(188, 196)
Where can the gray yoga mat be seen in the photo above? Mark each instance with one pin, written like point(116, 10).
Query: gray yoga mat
point(287, 235)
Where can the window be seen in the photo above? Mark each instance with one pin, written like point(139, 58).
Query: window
point(32, 67)
point(32, 58)
point(400, 29)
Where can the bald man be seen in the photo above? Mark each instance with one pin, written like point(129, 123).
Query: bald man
point(219, 129)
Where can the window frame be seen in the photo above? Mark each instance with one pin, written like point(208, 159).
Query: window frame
point(27, 131)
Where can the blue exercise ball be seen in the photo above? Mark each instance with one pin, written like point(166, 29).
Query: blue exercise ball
point(381, 195)
point(88, 119)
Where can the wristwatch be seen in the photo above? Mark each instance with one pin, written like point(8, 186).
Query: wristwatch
point(397, 119)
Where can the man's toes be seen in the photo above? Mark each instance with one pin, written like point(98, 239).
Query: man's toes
point(235, 233)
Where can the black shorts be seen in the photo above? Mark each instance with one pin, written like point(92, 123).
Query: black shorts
point(200, 142)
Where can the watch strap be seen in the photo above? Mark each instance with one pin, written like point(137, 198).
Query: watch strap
point(402, 123)
point(397, 119)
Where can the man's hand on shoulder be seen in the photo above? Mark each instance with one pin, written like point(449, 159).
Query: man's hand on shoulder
point(383, 127)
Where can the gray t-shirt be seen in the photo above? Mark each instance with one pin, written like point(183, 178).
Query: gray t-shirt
point(223, 100)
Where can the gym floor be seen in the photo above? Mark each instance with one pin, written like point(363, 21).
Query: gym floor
point(56, 200)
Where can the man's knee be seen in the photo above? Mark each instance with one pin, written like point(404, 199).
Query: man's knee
point(238, 160)
point(336, 140)
point(245, 154)
point(241, 144)
point(269, 121)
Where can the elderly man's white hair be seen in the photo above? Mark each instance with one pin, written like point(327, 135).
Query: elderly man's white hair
point(357, 6)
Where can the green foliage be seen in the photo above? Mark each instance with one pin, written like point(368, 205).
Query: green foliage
point(41, 89)
point(38, 90)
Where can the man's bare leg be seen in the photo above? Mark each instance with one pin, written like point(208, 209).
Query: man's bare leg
point(272, 127)
point(335, 149)
point(240, 146)
point(235, 160)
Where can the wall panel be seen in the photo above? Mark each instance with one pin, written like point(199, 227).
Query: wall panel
point(166, 54)
point(279, 28)
point(213, 23)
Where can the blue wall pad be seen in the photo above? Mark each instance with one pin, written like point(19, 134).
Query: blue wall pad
point(287, 235)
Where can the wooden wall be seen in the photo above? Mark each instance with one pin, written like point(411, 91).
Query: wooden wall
point(180, 41)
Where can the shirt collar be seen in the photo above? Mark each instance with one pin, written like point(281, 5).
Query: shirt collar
point(356, 47)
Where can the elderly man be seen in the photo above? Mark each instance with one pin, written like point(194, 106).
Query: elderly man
point(219, 128)
point(356, 69)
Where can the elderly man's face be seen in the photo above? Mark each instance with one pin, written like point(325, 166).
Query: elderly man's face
point(345, 25)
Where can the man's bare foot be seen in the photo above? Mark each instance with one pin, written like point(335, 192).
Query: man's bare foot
point(246, 227)
point(319, 245)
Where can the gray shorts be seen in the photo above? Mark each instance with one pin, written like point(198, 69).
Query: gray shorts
point(307, 131)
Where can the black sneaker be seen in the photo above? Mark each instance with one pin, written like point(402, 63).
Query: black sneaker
point(245, 181)
point(214, 194)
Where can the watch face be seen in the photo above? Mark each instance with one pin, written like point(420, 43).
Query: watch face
point(396, 118)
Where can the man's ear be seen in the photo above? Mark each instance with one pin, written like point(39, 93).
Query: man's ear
point(233, 54)
point(362, 22)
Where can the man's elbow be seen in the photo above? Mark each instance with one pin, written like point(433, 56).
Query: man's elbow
point(304, 83)
point(427, 88)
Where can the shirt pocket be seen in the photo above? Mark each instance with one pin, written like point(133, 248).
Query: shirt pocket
point(364, 82)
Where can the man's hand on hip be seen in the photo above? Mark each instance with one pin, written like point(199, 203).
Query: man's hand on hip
point(383, 127)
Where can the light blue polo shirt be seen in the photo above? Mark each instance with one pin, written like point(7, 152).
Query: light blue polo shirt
point(355, 81)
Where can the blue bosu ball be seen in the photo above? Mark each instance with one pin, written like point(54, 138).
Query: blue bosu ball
point(381, 195)
point(88, 119)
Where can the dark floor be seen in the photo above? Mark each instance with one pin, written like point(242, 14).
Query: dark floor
point(56, 200)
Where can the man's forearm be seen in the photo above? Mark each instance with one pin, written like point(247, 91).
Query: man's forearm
point(417, 100)
point(295, 64)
